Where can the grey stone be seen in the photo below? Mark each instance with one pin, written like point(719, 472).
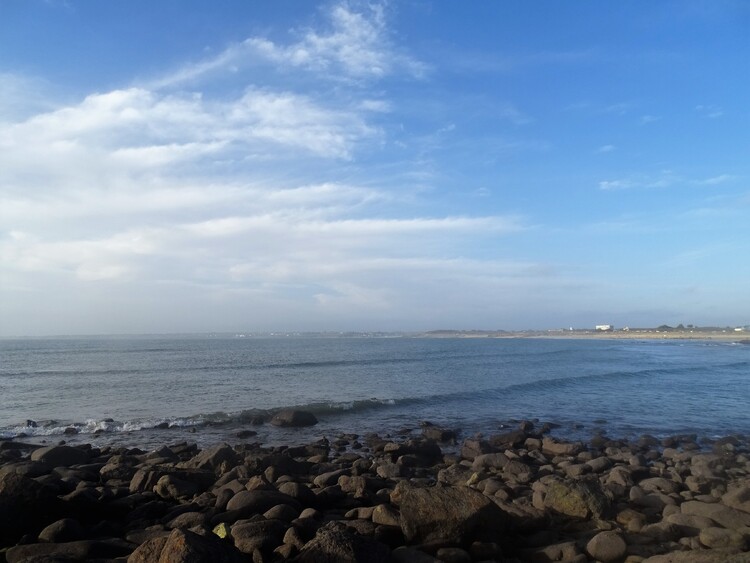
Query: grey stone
point(454, 515)
point(607, 547)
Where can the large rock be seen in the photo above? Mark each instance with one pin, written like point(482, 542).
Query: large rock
point(334, 543)
point(607, 547)
point(64, 530)
point(554, 448)
point(721, 537)
point(449, 515)
point(701, 556)
point(172, 487)
point(580, 499)
point(68, 551)
point(247, 503)
point(25, 507)
point(182, 546)
point(294, 418)
point(738, 498)
point(724, 515)
point(439, 434)
point(145, 479)
point(264, 535)
point(494, 461)
point(60, 456)
point(119, 467)
point(214, 458)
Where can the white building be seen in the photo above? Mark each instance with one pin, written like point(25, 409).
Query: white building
point(605, 327)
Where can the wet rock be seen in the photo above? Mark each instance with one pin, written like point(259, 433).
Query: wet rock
point(439, 434)
point(513, 439)
point(294, 418)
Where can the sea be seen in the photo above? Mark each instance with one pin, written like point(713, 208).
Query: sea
point(154, 390)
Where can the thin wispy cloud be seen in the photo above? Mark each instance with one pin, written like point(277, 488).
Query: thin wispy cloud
point(709, 111)
point(716, 180)
point(664, 179)
point(352, 45)
point(647, 119)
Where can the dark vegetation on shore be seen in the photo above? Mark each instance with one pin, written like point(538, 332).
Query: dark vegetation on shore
point(513, 497)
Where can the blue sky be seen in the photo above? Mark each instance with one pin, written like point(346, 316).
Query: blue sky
point(245, 166)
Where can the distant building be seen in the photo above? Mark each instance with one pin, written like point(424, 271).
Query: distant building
point(605, 328)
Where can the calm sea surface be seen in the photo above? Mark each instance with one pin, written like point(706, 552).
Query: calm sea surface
point(208, 388)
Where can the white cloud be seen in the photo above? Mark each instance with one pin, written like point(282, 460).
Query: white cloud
point(605, 149)
point(709, 111)
point(715, 180)
point(646, 119)
point(111, 139)
point(356, 45)
point(381, 106)
point(663, 179)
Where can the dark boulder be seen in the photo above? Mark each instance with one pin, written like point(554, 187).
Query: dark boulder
point(335, 543)
point(449, 515)
point(25, 507)
point(60, 456)
point(182, 546)
point(294, 418)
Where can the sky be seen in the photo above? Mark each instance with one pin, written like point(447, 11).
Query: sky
point(233, 166)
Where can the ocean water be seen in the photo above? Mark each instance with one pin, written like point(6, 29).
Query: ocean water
point(205, 389)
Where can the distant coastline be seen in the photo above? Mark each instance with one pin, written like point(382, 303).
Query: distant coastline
point(728, 335)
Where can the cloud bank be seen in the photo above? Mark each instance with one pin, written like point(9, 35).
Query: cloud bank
point(236, 204)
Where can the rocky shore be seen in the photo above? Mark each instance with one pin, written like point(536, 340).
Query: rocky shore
point(426, 495)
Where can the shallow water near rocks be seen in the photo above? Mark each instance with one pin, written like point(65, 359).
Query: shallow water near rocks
point(206, 389)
